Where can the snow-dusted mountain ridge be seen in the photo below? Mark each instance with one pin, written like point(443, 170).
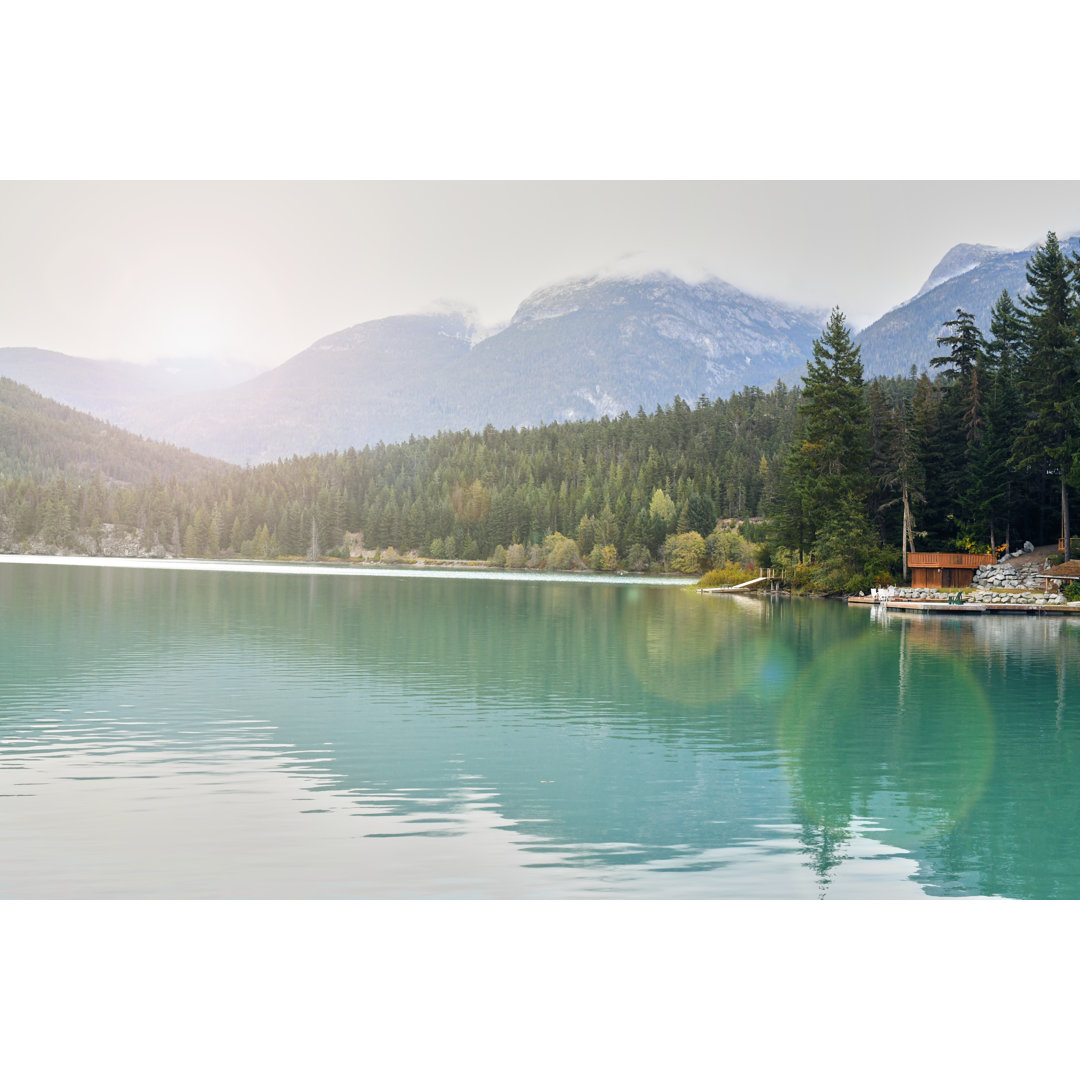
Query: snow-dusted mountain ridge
point(958, 260)
point(587, 347)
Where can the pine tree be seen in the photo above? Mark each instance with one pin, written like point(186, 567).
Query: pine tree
point(791, 524)
point(994, 483)
point(963, 412)
point(827, 475)
point(1048, 439)
point(966, 371)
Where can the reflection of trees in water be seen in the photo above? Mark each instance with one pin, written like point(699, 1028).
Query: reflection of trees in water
point(414, 689)
point(703, 656)
point(655, 716)
point(961, 739)
point(824, 847)
point(882, 725)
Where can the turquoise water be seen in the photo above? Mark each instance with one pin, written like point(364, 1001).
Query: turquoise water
point(205, 733)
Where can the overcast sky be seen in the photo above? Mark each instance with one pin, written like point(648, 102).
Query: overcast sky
point(783, 149)
point(257, 271)
point(875, 96)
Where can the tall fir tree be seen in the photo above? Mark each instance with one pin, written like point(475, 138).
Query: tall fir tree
point(827, 477)
point(966, 374)
point(1074, 329)
point(994, 481)
point(1048, 438)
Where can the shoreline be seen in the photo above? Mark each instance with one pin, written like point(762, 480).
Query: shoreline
point(246, 566)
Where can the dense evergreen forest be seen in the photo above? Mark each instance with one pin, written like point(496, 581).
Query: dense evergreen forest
point(41, 438)
point(848, 474)
point(979, 459)
point(456, 495)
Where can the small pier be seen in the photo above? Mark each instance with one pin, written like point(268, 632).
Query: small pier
point(767, 576)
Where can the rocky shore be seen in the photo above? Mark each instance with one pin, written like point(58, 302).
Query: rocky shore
point(110, 541)
point(1016, 579)
point(1025, 597)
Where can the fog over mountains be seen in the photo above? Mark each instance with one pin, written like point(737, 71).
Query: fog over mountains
point(578, 349)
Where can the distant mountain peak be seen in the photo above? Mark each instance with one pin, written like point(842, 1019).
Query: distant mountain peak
point(615, 286)
point(449, 323)
point(971, 277)
point(958, 260)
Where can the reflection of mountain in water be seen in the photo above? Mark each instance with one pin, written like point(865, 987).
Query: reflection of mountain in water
point(613, 723)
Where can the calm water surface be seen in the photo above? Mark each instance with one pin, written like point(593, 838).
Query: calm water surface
point(167, 731)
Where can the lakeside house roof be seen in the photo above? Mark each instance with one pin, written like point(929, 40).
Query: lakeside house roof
point(1070, 569)
point(935, 559)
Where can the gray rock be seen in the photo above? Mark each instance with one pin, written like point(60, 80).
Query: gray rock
point(1029, 547)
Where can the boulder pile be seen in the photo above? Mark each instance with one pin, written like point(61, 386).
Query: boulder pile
point(1027, 597)
point(1009, 576)
point(988, 596)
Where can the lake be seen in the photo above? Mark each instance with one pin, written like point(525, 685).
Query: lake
point(246, 732)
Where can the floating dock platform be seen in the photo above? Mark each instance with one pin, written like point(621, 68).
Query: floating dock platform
point(942, 607)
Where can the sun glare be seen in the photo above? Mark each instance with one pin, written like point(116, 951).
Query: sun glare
point(192, 333)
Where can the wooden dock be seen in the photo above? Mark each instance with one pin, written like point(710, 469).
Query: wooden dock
point(943, 607)
point(767, 576)
point(938, 607)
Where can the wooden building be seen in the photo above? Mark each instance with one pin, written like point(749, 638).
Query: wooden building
point(1057, 577)
point(944, 569)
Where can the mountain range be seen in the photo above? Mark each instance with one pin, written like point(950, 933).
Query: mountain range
point(578, 349)
point(971, 277)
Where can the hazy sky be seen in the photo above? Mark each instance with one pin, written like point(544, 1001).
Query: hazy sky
point(480, 89)
point(541, 144)
point(256, 271)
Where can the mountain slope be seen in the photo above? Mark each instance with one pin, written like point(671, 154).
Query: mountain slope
point(100, 387)
point(39, 437)
point(581, 349)
point(958, 260)
point(601, 346)
point(908, 334)
point(112, 389)
point(385, 379)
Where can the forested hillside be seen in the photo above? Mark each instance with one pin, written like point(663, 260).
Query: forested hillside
point(41, 438)
point(984, 456)
point(461, 495)
point(851, 474)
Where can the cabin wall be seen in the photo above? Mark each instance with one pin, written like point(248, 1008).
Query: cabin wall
point(942, 577)
point(945, 569)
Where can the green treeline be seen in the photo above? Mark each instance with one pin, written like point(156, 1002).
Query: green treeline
point(980, 458)
point(41, 438)
point(625, 483)
point(850, 475)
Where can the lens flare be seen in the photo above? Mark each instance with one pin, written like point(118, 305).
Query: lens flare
point(919, 748)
